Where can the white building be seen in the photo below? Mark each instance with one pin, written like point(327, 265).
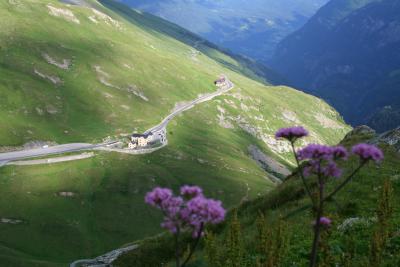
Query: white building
point(220, 82)
point(140, 140)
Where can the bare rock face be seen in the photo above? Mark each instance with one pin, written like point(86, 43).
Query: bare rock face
point(10, 221)
point(391, 138)
point(64, 64)
point(63, 13)
point(66, 194)
point(52, 78)
point(268, 163)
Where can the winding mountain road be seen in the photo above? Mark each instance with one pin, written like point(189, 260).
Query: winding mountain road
point(74, 147)
point(45, 151)
point(106, 259)
point(203, 98)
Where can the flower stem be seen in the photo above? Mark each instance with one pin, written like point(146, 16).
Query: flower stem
point(331, 195)
point(317, 229)
point(177, 252)
point(196, 242)
point(302, 175)
point(345, 181)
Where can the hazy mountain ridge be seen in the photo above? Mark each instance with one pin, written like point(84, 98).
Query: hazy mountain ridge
point(351, 59)
point(252, 30)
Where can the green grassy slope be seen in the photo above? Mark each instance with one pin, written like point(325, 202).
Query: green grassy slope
point(113, 58)
point(245, 66)
point(358, 200)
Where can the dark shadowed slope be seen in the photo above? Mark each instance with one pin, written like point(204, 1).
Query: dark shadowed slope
point(349, 54)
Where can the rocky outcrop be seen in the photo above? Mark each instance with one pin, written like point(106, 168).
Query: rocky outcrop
point(64, 64)
point(63, 13)
point(52, 78)
point(391, 138)
point(268, 163)
point(10, 221)
point(66, 194)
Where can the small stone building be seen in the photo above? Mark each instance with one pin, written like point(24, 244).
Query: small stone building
point(140, 140)
point(221, 81)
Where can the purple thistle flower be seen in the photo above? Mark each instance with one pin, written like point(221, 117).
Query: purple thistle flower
point(190, 213)
point(325, 221)
point(332, 170)
point(321, 160)
point(368, 152)
point(191, 191)
point(292, 133)
point(311, 168)
point(170, 225)
point(315, 151)
point(200, 211)
point(340, 152)
point(157, 196)
point(172, 206)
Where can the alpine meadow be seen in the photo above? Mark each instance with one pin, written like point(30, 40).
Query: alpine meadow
point(113, 120)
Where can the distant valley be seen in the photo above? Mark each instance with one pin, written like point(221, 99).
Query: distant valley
point(252, 30)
